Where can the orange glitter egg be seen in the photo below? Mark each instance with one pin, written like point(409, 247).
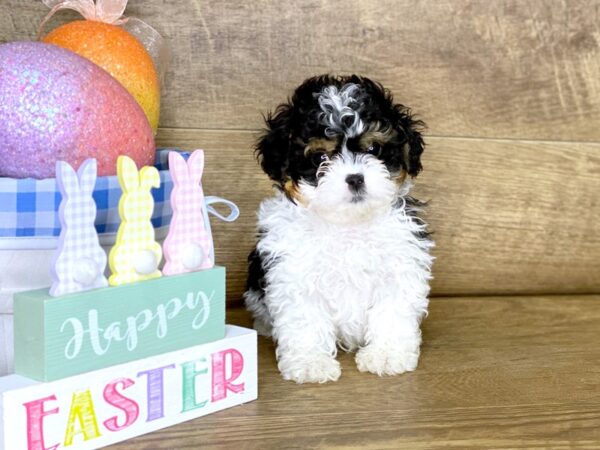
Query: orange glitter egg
point(117, 52)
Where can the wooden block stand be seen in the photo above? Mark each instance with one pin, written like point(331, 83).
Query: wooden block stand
point(57, 337)
point(102, 366)
point(111, 405)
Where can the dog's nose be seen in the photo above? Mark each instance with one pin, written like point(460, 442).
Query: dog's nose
point(355, 181)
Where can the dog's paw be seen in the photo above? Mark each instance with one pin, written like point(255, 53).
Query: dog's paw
point(316, 369)
point(387, 360)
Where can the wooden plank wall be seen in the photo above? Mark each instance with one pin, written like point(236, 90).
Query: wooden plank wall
point(510, 91)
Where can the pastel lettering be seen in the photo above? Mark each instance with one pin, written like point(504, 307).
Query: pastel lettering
point(82, 412)
point(155, 391)
point(190, 371)
point(35, 423)
point(129, 407)
point(221, 383)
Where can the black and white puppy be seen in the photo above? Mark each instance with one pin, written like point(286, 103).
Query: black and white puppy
point(342, 259)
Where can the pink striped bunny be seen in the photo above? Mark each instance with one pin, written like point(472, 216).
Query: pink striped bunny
point(79, 262)
point(187, 246)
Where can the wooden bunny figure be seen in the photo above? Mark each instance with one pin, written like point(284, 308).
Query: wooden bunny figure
point(80, 261)
point(135, 255)
point(187, 246)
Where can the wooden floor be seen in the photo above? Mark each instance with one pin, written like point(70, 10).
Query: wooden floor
point(495, 372)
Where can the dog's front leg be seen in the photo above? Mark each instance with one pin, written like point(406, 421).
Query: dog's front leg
point(306, 342)
point(393, 335)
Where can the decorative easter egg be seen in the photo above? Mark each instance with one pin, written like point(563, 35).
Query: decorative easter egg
point(117, 52)
point(56, 105)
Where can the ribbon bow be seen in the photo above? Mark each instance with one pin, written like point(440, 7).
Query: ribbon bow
point(111, 12)
point(107, 11)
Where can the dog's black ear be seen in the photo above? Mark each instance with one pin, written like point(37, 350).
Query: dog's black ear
point(273, 147)
point(409, 130)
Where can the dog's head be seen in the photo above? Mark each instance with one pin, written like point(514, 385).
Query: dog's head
point(341, 147)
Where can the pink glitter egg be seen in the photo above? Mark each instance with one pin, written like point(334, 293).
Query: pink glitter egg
point(57, 105)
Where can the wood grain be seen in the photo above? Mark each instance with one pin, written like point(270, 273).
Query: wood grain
point(495, 372)
point(508, 68)
point(508, 216)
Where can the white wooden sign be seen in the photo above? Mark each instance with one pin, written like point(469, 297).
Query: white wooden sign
point(111, 405)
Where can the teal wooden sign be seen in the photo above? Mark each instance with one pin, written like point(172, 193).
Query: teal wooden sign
point(57, 337)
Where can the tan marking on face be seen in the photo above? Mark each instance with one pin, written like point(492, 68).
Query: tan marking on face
point(400, 178)
point(320, 145)
point(291, 189)
point(376, 133)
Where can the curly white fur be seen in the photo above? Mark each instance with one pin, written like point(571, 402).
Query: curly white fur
point(342, 271)
point(339, 112)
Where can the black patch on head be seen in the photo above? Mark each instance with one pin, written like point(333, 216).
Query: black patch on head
point(281, 148)
point(273, 147)
point(409, 129)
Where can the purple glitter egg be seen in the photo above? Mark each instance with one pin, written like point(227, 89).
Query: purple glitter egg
point(56, 105)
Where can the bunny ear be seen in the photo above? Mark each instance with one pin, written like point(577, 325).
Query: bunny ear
point(196, 165)
point(177, 166)
point(149, 177)
point(87, 176)
point(67, 180)
point(127, 173)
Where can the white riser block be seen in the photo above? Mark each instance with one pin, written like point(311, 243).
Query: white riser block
point(22, 270)
point(79, 412)
point(6, 344)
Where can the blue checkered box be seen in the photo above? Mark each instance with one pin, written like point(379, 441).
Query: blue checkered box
point(29, 208)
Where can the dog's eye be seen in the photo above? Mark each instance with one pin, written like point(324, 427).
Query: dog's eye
point(374, 149)
point(319, 158)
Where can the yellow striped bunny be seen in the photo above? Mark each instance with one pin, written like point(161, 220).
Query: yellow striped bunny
point(135, 255)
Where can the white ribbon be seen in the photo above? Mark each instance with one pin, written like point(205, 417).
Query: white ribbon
point(111, 12)
point(107, 11)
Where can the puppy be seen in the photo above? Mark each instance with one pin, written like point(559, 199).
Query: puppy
point(342, 259)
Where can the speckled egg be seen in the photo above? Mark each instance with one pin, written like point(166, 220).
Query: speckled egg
point(117, 52)
point(56, 105)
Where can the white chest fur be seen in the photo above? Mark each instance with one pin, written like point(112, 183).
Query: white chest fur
point(342, 270)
